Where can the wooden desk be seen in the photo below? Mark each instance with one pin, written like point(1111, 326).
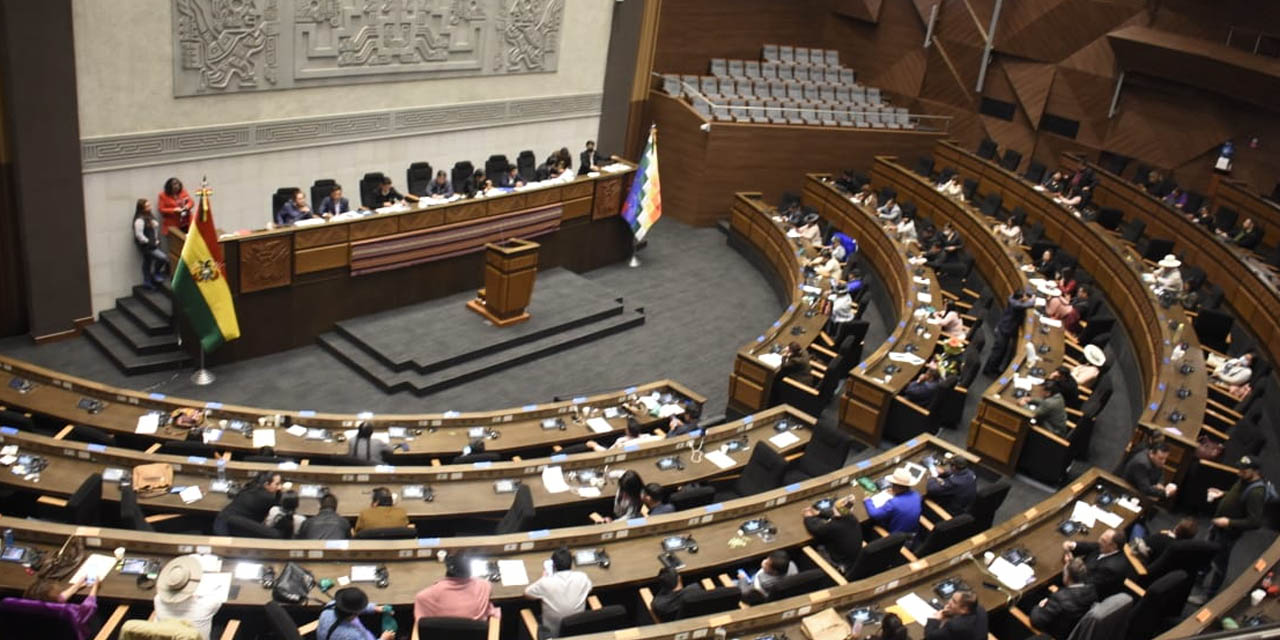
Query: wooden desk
point(1233, 600)
point(753, 229)
point(460, 490)
point(443, 434)
point(1035, 529)
point(633, 545)
point(291, 284)
point(871, 387)
point(1116, 271)
point(1001, 426)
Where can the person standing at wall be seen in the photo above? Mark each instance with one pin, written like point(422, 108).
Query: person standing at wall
point(175, 206)
point(146, 236)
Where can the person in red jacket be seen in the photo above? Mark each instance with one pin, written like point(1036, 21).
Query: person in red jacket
point(175, 206)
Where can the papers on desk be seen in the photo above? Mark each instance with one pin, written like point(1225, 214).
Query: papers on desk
point(1028, 268)
point(513, 573)
point(479, 568)
point(812, 290)
point(190, 494)
point(251, 571)
point(1014, 576)
point(264, 438)
point(97, 566)
point(297, 431)
point(917, 609)
point(1040, 302)
point(1050, 322)
point(381, 436)
point(1026, 382)
point(784, 439)
point(1131, 503)
point(924, 297)
point(148, 423)
point(599, 425)
point(364, 572)
point(309, 222)
point(1106, 517)
point(211, 435)
point(616, 167)
point(772, 360)
point(720, 459)
point(589, 492)
point(909, 358)
point(350, 215)
point(669, 410)
point(919, 280)
point(792, 233)
point(111, 474)
point(1088, 514)
point(215, 586)
point(878, 500)
point(1173, 430)
point(209, 563)
point(553, 480)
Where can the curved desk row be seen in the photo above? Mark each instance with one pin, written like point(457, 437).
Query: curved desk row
point(632, 546)
point(1233, 600)
point(59, 396)
point(1175, 401)
point(1000, 428)
point(458, 490)
point(1256, 299)
point(752, 227)
point(1034, 530)
point(875, 382)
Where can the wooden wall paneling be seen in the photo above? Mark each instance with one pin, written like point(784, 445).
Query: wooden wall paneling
point(1051, 30)
point(1030, 82)
point(691, 33)
point(952, 73)
point(865, 10)
point(887, 54)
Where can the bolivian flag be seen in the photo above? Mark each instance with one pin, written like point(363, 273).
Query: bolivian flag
point(644, 202)
point(200, 281)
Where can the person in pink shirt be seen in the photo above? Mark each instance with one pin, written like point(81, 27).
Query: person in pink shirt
point(456, 595)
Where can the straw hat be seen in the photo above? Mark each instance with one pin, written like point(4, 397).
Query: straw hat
point(902, 478)
point(1170, 262)
point(1094, 355)
point(179, 579)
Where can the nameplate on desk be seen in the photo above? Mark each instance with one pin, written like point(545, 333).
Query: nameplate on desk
point(529, 407)
point(9, 431)
point(919, 565)
point(862, 464)
point(1260, 565)
point(712, 508)
point(452, 414)
point(213, 405)
point(365, 415)
point(337, 544)
point(539, 534)
point(635, 522)
point(579, 400)
point(428, 542)
point(306, 413)
point(96, 448)
point(88, 531)
point(748, 419)
point(792, 488)
point(156, 396)
point(978, 539)
point(625, 634)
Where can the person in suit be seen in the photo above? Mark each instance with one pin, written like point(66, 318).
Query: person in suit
point(1058, 614)
point(890, 211)
point(590, 159)
point(511, 179)
point(924, 388)
point(838, 531)
point(1145, 471)
point(441, 187)
point(955, 487)
point(946, 246)
point(1104, 559)
point(1006, 330)
point(293, 209)
point(773, 569)
point(252, 503)
point(334, 204)
point(682, 423)
point(654, 496)
point(1155, 544)
point(326, 524)
point(382, 513)
point(962, 618)
point(1246, 237)
point(1051, 410)
point(385, 195)
point(668, 602)
point(1067, 386)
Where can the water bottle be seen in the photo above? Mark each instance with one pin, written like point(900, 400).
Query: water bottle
point(222, 471)
point(8, 538)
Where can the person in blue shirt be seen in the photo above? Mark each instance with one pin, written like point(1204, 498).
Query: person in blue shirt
point(340, 619)
point(654, 496)
point(334, 204)
point(294, 209)
point(901, 513)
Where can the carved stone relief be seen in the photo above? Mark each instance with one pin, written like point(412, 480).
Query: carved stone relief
point(225, 46)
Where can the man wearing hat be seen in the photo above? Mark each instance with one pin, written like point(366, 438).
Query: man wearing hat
point(178, 597)
point(1167, 277)
point(955, 487)
point(1240, 509)
point(1089, 370)
point(340, 619)
point(901, 512)
point(837, 530)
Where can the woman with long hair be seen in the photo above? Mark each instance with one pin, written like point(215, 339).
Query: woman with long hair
point(175, 206)
point(146, 236)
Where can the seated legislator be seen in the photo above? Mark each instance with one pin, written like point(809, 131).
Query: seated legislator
point(367, 448)
point(1155, 544)
point(668, 602)
point(179, 597)
point(952, 188)
point(905, 229)
point(386, 195)
point(334, 204)
point(899, 512)
point(946, 247)
point(865, 197)
point(1058, 613)
point(1108, 567)
point(293, 209)
point(809, 229)
point(773, 569)
point(682, 423)
point(1047, 265)
point(1231, 372)
point(1054, 182)
point(1246, 237)
point(1176, 198)
point(1051, 409)
point(1009, 232)
point(325, 524)
point(1077, 198)
point(252, 503)
point(456, 595)
point(283, 516)
point(924, 388)
point(796, 364)
point(961, 618)
point(340, 619)
point(843, 247)
point(591, 159)
point(1067, 386)
point(441, 187)
point(654, 498)
point(48, 598)
point(1167, 278)
point(949, 322)
point(838, 531)
point(826, 265)
point(174, 205)
point(955, 487)
point(382, 512)
point(1066, 280)
point(890, 211)
point(562, 590)
point(511, 179)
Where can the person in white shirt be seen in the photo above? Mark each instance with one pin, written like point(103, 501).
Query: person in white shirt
point(1231, 371)
point(178, 595)
point(906, 229)
point(809, 229)
point(1010, 232)
point(952, 188)
point(842, 309)
point(949, 322)
point(865, 197)
point(826, 265)
point(1086, 372)
point(773, 569)
point(563, 592)
point(1168, 275)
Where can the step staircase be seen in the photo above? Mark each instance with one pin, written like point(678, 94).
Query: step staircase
point(138, 334)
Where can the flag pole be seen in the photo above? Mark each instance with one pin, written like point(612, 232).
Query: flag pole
point(635, 251)
point(202, 376)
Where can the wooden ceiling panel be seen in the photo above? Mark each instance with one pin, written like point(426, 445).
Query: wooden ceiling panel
point(951, 73)
point(1096, 58)
point(1031, 82)
point(903, 76)
point(865, 10)
point(1051, 31)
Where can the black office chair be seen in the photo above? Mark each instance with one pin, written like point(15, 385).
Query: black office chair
point(1035, 172)
point(520, 515)
point(460, 174)
point(1194, 201)
point(1161, 607)
point(878, 556)
point(280, 623)
point(526, 165)
point(1110, 218)
point(17, 419)
point(1151, 248)
point(802, 583)
point(496, 167)
point(1225, 219)
point(131, 515)
point(690, 497)
point(1131, 230)
point(85, 505)
point(826, 451)
point(281, 196)
point(704, 602)
point(417, 178)
point(187, 448)
point(453, 628)
point(924, 166)
point(987, 149)
point(599, 620)
point(969, 189)
point(388, 533)
point(320, 190)
point(471, 458)
point(1213, 327)
point(94, 435)
point(991, 204)
point(762, 472)
point(1011, 160)
point(945, 533)
point(368, 184)
point(986, 502)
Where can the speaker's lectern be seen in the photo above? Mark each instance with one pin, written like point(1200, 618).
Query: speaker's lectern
point(509, 270)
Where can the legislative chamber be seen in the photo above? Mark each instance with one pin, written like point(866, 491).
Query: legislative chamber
point(762, 320)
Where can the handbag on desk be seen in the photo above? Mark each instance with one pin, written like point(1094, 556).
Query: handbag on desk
point(152, 480)
point(293, 585)
point(60, 565)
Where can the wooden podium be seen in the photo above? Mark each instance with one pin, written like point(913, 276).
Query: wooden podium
point(509, 270)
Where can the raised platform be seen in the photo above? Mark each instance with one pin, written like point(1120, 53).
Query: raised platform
point(430, 346)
